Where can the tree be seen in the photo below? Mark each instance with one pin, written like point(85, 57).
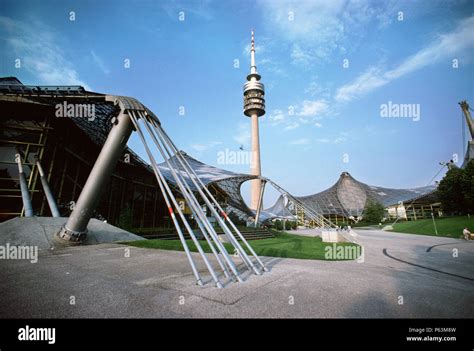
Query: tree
point(456, 190)
point(468, 187)
point(278, 224)
point(373, 212)
point(291, 225)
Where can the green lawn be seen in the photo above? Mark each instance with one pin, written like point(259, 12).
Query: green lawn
point(283, 245)
point(448, 226)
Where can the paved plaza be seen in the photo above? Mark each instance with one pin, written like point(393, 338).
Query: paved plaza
point(402, 275)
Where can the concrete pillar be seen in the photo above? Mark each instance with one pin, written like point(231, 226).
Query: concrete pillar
point(25, 194)
point(75, 230)
point(47, 191)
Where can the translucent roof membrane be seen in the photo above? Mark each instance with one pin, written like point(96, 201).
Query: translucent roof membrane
point(348, 196)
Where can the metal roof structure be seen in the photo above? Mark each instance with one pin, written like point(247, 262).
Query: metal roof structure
point(97, 130)
point(278, 210)
point(348, 197)
point(208, 174)
point(229, 182)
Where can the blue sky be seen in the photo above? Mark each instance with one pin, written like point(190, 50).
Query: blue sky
point(322, 118)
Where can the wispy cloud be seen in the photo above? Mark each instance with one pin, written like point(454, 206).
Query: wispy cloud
point(100, 63)
point(299, 56)
point(316, 89)
point(308, 112)
point(314, 30)
point(301, 141)
point(369, 80)
point(292, 126)
point(204, 147)
point(342, 137)
point(38, 48)
point(242, 135)
point(445, 46)
point(276, 117)
point(311, 108)
point(200, 9)
point(337, 140)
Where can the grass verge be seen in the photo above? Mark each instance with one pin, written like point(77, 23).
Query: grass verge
point(283, 245)
point(447, 226)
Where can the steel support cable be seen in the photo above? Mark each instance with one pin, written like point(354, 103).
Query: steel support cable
point(201, 220)
point(173, 217)
point(197, 211)
point(195, 207)
point(198, 206)
point(323, 222)
point(202, 223)
point(315, 216)
point(208, 225)
point(204, 226)
point(183, 160)
point(166, 190)
point(226, 256)
point(186, 224)
point(211, 206)
point(229, 234)
point(312, 214)
point(227, 231)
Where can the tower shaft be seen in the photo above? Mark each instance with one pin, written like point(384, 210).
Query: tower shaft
point(255, 166)
point(254, 107)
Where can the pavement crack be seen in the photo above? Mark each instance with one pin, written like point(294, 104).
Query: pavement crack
point(424, 267)
point(454, 242)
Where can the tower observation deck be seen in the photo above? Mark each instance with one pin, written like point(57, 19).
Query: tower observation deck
point(254, 90)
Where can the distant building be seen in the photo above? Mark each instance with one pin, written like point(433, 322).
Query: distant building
point(348, 198)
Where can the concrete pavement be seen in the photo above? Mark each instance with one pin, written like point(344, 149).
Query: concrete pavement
point(402, 276)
